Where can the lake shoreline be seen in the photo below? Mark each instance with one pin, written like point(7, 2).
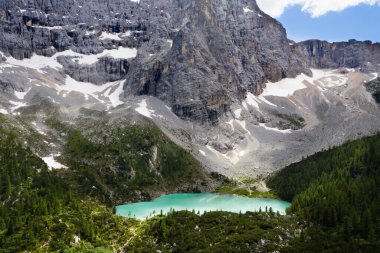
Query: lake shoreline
point(200, 203)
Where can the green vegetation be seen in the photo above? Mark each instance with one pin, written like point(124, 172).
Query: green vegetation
point(297, 121)
point(38, 209)
point(374, 88)
point(247, 187)
point(335, 196)
point(339, 192)
point(127, 162)
point(70, 210)
point(216, 232)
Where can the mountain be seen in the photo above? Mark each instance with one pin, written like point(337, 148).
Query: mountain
point(208, 47)
point(335, 209)
point(352, 54)
point(221, 50)
point(217, 50)
point(336, 192)
point(246, 100)
point(118, 101)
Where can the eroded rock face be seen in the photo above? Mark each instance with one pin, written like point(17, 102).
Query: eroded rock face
point(351, 54)
point(221, 49)
point(197, 56)
point(107, 69)
point(48, 27)
point(41, 27)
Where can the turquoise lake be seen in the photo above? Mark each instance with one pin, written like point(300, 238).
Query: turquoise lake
point(200, 202)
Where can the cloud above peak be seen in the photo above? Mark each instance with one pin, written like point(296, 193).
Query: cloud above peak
point(315, 8)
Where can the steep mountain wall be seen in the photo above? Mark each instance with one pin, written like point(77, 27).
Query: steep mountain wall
point(221, 49)
point(197, 56)
point(351, 54)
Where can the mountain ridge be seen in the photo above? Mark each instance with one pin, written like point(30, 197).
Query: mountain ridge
point(219, 77)
point(218, 50)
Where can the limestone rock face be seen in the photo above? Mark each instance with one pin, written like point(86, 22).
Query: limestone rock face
point(351, 54)
point(107, 69)
point(45, 27)
point(221, 49)
point(199, 57)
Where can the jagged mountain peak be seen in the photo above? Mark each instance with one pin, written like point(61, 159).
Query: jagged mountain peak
point(221, 49)
point(240, 90)
point(199, 57)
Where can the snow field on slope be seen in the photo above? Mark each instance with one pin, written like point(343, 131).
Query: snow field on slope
point(52, 163)
point(39, 62)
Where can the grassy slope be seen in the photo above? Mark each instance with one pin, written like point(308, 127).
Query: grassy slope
point(245, 187)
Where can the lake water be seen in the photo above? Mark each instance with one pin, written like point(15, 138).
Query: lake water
point(200, 202)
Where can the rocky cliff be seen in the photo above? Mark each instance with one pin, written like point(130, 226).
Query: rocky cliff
point(84, 27)
point(221, 49)
point(352, 54)
point(197, 56)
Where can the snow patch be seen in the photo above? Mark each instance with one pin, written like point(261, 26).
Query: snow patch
point(120, 53)
point(327, 78)
point(285, 87)
point(49, 27)
point(21, 95)
point(16, 105)
point(82, 87)
point(170, 43)
point(109, 36)
point(36, 62)
point(114, 36)
point(241, 153)
point(375, 75)
point(334, 81)
point(39, 62)
point(3, 111)
point(322, 79)
point(88, 33)
point(288, 86)
point(203, 153)
point(143, 109)
point(247, 10)
point(252, 100)
point(287, 131)
point(237, 113)
point(52, 163)
point(115, 96)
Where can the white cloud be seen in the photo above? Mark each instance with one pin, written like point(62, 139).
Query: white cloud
point(315, 8)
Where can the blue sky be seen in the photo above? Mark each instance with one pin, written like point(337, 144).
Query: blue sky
point(331, 20)
point(361, 22)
